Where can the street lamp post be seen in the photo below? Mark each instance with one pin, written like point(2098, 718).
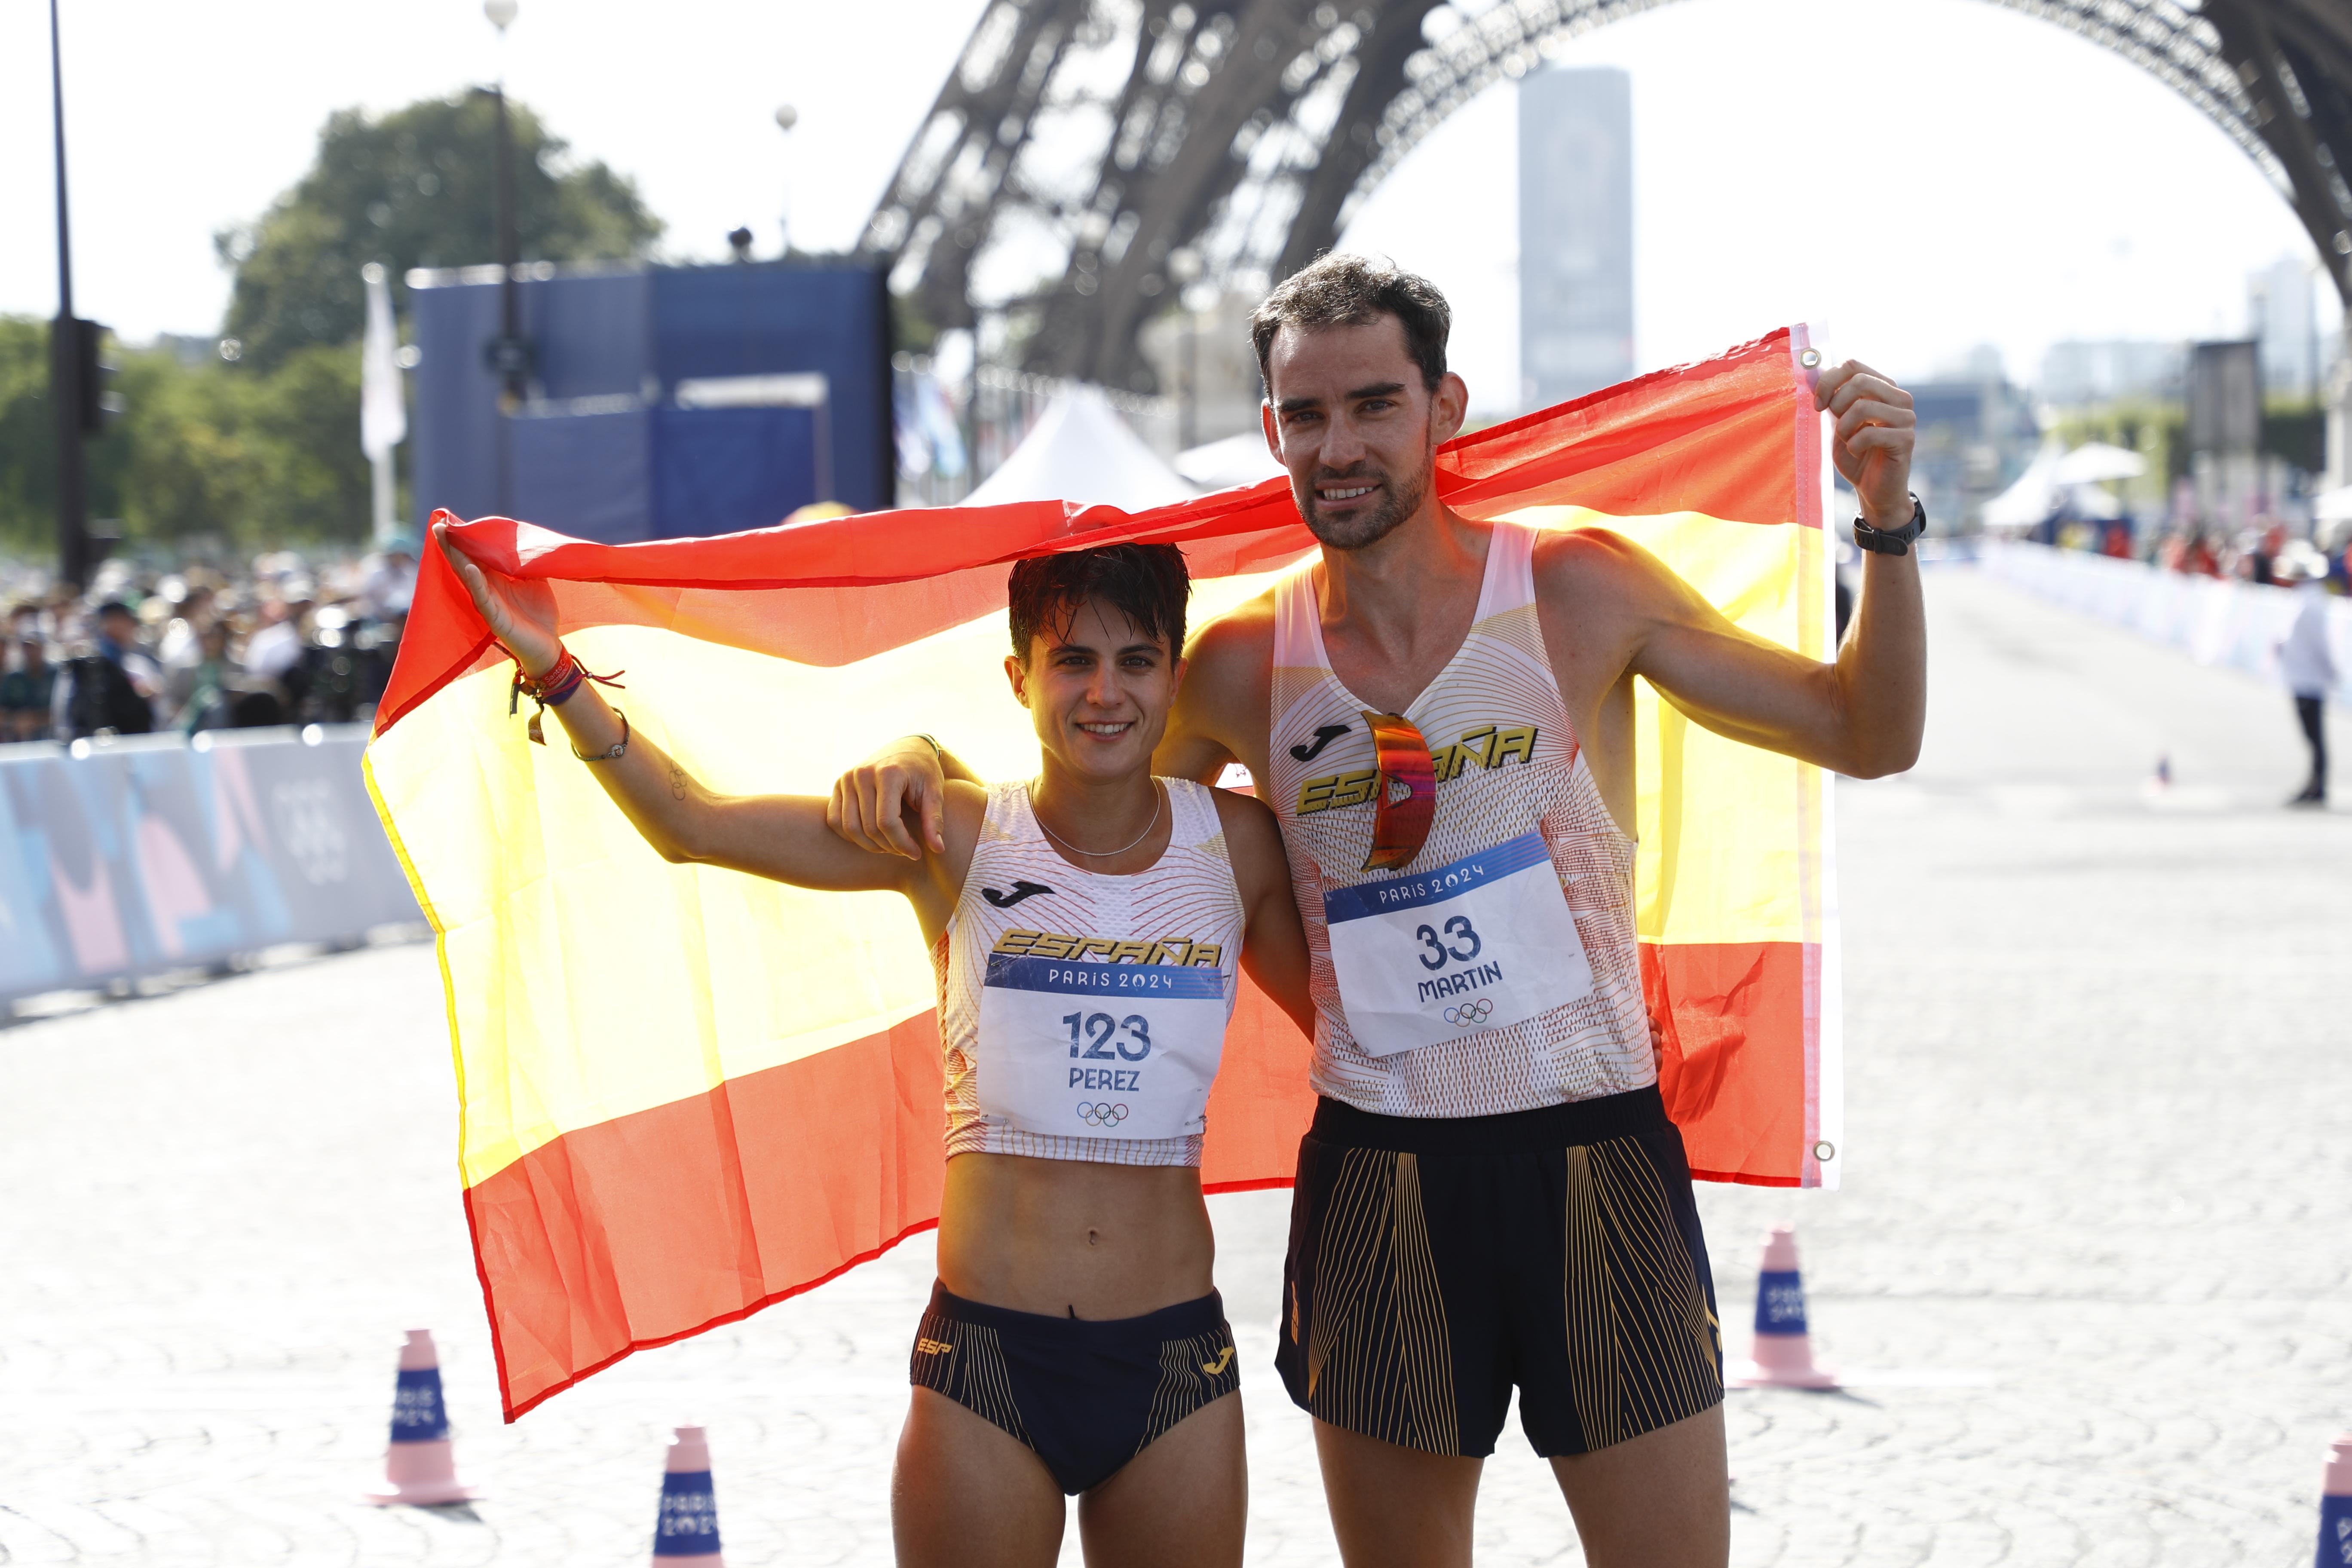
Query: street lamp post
point(66, 368)
point(786, 117)
point(510, 355)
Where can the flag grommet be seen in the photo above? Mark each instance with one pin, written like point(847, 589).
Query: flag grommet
point(1826, 1149)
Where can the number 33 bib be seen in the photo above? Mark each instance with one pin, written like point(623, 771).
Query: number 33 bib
point(1099, 1050)
point(1482, 943)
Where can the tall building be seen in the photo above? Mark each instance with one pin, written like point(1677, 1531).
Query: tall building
point(2283, 317)
point(1576, 232)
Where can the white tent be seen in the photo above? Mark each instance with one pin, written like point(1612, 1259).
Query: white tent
point(2096, 462)
point(2333, 505)
point(1240, 460)
point(2095, 503)
point(1081, 450)
point(2031, 500)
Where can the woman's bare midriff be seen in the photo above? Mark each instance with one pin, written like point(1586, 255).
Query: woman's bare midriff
point(1069, 1236)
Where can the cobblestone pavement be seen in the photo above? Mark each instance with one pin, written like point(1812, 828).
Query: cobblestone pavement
point(2092, 1270)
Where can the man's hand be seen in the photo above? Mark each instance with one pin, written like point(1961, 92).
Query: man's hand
point(870, 802)
point(527, 632)
point(1876, 430)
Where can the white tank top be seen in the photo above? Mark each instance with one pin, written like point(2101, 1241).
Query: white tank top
point(1095, 1003)
point(1512, 790)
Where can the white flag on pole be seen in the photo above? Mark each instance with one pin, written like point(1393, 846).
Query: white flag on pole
point(383, 412)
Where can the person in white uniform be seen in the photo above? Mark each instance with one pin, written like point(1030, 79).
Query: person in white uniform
point(1441, 711)
point(1088, 927)
point(2308, 667)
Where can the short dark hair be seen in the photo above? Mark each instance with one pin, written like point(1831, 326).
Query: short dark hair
point(1146, 583)
point(113, 608)
point(1341, 291)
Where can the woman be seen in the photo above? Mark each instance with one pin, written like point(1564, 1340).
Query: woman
point(1086, 926)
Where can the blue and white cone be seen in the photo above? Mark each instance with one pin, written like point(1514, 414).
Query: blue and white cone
point(419, 1467)
point(687, 1527)
point(1783, 1352)
point(2335, 1507)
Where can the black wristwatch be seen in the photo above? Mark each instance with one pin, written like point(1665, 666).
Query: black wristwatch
point(1894, 541)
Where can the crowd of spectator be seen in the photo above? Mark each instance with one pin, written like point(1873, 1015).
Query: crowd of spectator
point(2267, 552)
point(200, 648)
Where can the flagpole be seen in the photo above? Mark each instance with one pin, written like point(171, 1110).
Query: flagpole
point(65, 363)
point(383, 411)
point(384, 525)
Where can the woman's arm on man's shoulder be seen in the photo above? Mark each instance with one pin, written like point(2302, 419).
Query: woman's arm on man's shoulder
point(1273, 948)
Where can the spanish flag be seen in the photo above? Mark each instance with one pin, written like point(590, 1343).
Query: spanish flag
point(685, 1093)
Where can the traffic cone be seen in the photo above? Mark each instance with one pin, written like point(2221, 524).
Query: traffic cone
point(1783, 1354)
point(688, 1523)
point(418, 1467)
point(2335, 1507)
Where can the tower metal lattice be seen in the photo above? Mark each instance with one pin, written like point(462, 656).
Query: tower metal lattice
point(1088, 158)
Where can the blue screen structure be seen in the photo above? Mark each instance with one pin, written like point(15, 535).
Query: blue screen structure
point(662, 402)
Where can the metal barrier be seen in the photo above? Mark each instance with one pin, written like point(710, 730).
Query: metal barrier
point(132, 857)
point(2214, 620)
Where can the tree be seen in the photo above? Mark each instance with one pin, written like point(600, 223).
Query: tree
point(265, 451)
point(29, 463)
point(415, 188)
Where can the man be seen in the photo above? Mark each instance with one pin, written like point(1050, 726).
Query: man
point(29, 680)
point(2307, 667)
point(276, 647)
point(388, 580)
point(1491, 1194)
point(113, 689)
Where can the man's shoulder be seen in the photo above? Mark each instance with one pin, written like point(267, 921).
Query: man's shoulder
point(1588, 568)
point(1572, 555)
point(1241, 636)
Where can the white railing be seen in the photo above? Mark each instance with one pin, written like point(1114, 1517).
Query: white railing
point(2214, 620)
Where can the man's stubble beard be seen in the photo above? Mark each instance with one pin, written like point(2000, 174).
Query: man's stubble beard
point(1356, 533)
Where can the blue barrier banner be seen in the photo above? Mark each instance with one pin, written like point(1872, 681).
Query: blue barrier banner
point(120, 858)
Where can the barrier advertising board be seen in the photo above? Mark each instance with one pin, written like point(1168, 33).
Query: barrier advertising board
point(125, 857)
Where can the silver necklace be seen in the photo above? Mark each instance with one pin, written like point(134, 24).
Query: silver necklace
point(1156, 802)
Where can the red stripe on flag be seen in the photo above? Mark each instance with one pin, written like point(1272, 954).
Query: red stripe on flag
point(1733, 1076)
point(654, 1225)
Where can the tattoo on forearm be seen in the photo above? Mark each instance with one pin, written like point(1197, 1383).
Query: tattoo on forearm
point(677, 781)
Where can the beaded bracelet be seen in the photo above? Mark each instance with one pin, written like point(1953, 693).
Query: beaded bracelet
point(554, 689)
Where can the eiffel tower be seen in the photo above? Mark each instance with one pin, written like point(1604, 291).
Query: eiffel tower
point(1139, 145)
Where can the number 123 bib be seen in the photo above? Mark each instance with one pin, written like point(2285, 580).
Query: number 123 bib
point(1099, 1050)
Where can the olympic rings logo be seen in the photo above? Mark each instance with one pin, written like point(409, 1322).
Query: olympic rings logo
point(1101, 1113)
point(1468, 1012)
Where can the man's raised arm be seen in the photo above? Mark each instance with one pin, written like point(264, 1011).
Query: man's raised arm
point(1862, 714)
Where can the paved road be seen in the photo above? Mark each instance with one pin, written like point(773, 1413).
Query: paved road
point(2092, 1267)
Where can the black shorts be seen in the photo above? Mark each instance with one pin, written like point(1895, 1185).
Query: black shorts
point(1086, 1396)
point(1436, 1262)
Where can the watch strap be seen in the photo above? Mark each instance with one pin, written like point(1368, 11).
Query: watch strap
point(1892, 540)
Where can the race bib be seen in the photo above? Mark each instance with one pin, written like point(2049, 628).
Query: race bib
point(1099, 1050)
point(1482, 943)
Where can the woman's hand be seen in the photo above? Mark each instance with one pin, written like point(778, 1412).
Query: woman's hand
point(525, 633)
